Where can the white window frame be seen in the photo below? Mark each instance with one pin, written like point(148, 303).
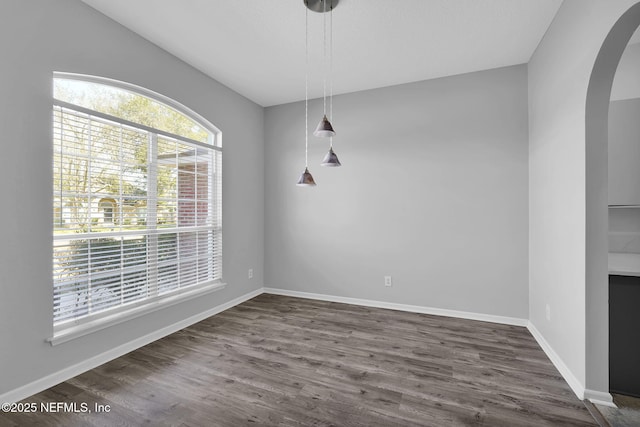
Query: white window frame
point(75, 328)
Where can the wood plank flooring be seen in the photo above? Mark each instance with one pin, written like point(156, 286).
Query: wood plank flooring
point(281, 361)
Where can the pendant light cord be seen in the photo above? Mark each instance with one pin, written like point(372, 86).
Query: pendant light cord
point(324, 42)
point(306, 88)
point(331, 71)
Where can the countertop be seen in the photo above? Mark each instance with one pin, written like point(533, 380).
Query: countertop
point(624, 264)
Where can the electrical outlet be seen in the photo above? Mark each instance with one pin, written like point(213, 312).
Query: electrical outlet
point(548, 312)
point(387, 281)
point(250, 273)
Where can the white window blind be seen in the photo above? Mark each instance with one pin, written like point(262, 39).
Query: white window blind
point(137, 214)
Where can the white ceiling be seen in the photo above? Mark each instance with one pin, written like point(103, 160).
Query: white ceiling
point(256, 47)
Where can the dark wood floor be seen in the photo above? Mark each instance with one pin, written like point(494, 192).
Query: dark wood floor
point(284, 361)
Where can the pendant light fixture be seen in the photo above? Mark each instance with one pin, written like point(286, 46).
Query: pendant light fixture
point(324, 129)
point(330, 159)
point(306, 179)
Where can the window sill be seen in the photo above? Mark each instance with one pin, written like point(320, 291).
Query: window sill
point(78, 330)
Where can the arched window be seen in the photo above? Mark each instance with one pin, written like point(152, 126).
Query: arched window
point(136, 200)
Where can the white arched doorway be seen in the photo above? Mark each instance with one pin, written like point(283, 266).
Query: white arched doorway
point(596, 206)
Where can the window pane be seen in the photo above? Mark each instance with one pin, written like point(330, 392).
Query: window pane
point(134, 211)
point(129, 106)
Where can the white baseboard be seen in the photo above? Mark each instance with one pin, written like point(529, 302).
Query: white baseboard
point(402, 307)
point(77, 369)
point(599, 398)
point(566, 373)
point(596, 397)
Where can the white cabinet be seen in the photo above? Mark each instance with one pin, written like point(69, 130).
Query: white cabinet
point(624, 152)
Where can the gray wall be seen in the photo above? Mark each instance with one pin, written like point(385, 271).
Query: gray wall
point(568, 187)
point(433, 191)
point(626, 84)
point(624, 152)
point(624, 173)
point(38, 37)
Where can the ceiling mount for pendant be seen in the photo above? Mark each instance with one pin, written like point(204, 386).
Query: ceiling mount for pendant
point(318, 5)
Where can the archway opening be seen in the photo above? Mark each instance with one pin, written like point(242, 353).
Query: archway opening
point(624, 224)
point(597, 201)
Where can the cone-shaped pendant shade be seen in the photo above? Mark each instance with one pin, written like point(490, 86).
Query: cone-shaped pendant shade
point(306, 180)
point(331, 160)
point(324, 128)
